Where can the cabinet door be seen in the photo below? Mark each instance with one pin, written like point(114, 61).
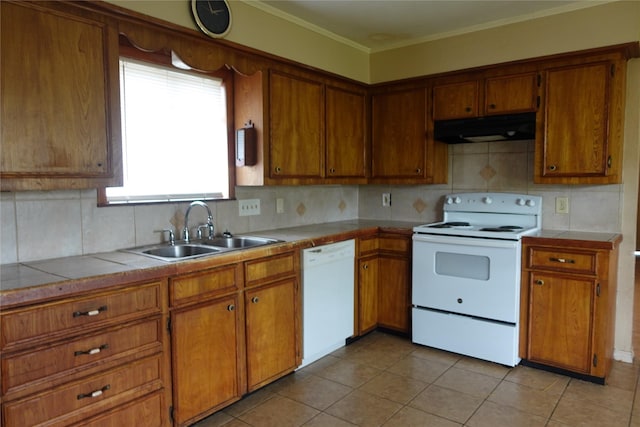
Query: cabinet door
point(60, 99)
point(511, 94)
point(271, 331)
point(346, 136)
point(573, 141)
point(296, 120)
point(393, 293)
point(560, 321)
point(399, 135)
point(455, 101)
point(205, 358)
point(367, 294)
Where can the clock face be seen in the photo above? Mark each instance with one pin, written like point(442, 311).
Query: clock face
point(213, 17)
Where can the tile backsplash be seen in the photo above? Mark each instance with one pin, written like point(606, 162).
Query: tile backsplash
point(40, 225)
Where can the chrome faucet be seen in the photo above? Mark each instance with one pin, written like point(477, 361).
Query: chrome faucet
point(185, 232)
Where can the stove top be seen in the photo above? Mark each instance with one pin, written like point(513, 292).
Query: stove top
point(488, 215)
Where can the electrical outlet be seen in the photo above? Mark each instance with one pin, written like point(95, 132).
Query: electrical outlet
point(279, 205)
point(562, 205)
point(249, 207)
point(386, 199)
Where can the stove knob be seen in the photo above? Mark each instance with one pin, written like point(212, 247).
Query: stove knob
point(520, 202)
point(449, 201)
point(457, 200)
point(488, 200)
point(531, 203)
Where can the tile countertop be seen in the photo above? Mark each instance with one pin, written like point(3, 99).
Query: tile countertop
point(30, 282)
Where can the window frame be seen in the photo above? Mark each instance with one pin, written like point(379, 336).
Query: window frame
point(164, 58)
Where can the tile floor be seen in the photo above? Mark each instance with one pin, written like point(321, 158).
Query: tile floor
point(384, 380)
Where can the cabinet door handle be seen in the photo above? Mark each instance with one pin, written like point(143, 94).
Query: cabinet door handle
point(231, 307)
point(95, 393)
point(492, 106)
point(562, 260)
point(278, 169)
point(539, 282)
point(552, 167)
point(365, 267)
point(91, 351)
point(90, 312)
point(418, 170)
point(255, 300)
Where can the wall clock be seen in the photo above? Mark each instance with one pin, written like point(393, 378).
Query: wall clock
point(213, 17)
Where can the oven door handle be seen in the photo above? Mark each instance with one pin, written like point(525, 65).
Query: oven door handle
point(467, 241)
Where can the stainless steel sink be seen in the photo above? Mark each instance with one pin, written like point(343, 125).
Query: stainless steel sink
point(180, 251)
point(200, 248)
point(238, 242)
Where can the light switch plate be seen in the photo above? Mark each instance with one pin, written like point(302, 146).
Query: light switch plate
point(562, 205)
point(249, 207)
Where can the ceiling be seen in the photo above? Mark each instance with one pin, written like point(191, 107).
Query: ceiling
point(374, 25)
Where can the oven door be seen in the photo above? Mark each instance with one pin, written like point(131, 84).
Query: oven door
point(471, 276)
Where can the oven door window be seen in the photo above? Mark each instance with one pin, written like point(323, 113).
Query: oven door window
point(462, 265)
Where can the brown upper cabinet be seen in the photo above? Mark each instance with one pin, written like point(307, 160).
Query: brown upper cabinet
point(296, 127)
point(60, 98)
point(401, 151)
point(579, 135)
point(482, 97)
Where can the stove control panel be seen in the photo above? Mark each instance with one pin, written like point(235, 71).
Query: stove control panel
point(493, 203)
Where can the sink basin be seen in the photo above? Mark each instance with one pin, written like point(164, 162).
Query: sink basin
point(180, 251)
point(238, 242)
point(199, 248)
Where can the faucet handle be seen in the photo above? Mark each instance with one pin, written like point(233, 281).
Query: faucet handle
point(172, 235)
point(209, 227)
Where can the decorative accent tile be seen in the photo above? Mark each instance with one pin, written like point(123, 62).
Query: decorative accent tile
point(419, 205)
point(487, 173)
point(301, 209)
point(342, 205)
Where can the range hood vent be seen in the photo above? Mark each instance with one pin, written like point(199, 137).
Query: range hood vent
point(512, 127)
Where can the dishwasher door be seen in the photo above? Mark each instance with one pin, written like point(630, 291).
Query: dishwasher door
point(328, 295)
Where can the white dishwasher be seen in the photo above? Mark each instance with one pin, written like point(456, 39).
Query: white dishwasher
point(328, 294)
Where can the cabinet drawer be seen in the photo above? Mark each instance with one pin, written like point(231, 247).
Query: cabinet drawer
point(582, 262)
point(271, 268)
point(73, 402)
point(199, 285)
point(367, 245)
point(61, 363)
point(50, 321)
point(394, 244)
point(147, 412)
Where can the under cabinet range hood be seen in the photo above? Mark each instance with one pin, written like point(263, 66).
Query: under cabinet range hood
point(512, 127)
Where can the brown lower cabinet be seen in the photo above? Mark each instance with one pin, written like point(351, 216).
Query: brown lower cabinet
point(384, 282)
point(568, 305)
point(234, 329)
point(96, 359)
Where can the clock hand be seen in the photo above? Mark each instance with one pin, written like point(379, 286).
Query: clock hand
point(210, 8)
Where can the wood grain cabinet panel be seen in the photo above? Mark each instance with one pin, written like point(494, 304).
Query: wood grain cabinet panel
point(271, 325)
point(579, 139)
point(78, 400)
point(367, 294)
point(77, 315)
point(60, 98)
point(456, 100)
point(346, 152)
point(296, 121)
point(205, 346)
point(567, 310)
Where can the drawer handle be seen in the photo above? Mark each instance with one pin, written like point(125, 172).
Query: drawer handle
point(92, 350)
point(539, 282)
point(255, 300)
point(90, 312)
point(95, 393)
point(562, 260)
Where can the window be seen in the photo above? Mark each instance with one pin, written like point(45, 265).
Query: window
point(174, 135)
